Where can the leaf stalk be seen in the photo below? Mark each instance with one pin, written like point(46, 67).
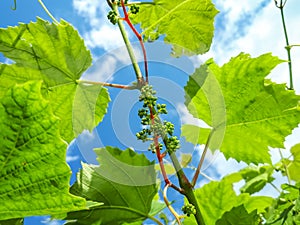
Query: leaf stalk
point(195, 178)
point(48, 12)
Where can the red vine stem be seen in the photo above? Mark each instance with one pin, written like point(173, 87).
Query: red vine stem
point(158, 153)
point(160, 157)
point(137, 34)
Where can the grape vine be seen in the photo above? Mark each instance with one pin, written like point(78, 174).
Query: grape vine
point(45, 103)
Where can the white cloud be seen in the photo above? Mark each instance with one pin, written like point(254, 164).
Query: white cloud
point(48, 221)
point(108, 64)
point(105, 36)
point(100, 32)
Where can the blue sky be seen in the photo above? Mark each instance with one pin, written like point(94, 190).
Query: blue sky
point(249, 26)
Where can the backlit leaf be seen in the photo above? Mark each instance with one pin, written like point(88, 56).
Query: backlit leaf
point(56, 55)
point(294, 166)
point(218, 197)
point(186, 24)
point(34, 177)
point(257, 114)
point(256, 177)
point(239, 216)
point(125, 183)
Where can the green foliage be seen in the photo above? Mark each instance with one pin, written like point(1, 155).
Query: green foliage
point(195, 19)
point(43, 103)
point(256, 178)
point(12, 222)
point(294, 165)
point(125, 183)
point(286, 210)
point(218, 197)
point(257, 114)
point(33, 172)
point(56, 55)
point(239, 216)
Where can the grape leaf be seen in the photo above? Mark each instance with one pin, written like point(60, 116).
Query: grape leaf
point(215, 198)
point(294, 165)
point(239, 216)
point(188, 25)
point(57, 55)
point(218, 197)
point(256, 177)
point(258, 113)
point(34, 177)
point(286, 210)
point(125, 183)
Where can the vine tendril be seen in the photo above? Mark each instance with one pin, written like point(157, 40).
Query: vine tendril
point(15, 5)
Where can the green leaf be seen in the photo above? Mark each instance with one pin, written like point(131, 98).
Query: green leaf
point(293, 167)
point(125, 183)
point(34, 177)
point(239, 216)
point(187, 25)
point(258, 114)
point(55, 54)
point(215, 198)
point(286, 209)
point(256, 177)
point(12, 222)
point(218, 197)
point(259, 203)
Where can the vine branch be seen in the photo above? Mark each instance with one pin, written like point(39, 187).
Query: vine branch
point(135, 65)
point(288, 48)
point(137, 34)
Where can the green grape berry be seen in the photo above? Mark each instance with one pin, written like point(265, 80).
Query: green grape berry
point(143, 135)
point(134, 9)
point(112, 17)
point(157, 128)
point(145, 121)
point(172, 144)
point(161, 109)
point(142, 113)
point(169, 127)
point(148, 96)
point(189, 209)
point(152, 147)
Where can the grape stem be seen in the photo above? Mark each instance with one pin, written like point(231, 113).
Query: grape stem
point(107, 84)
point(137, 34)
point(288, 47)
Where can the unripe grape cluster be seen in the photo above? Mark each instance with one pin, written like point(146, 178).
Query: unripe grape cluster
point(189, 209)
point(112, 17)
point(154, 127)
point(134, 9)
